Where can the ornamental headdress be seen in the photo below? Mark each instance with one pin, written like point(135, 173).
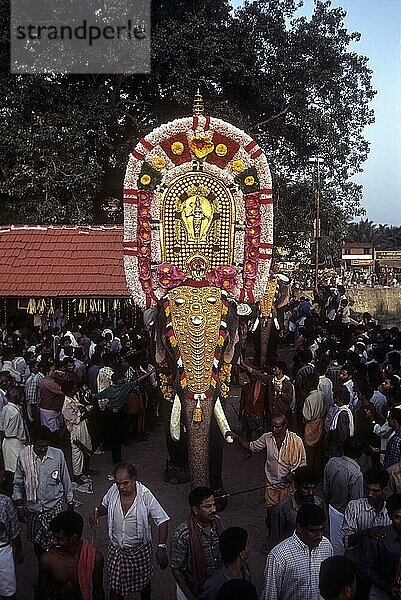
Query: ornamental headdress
point(197, 209)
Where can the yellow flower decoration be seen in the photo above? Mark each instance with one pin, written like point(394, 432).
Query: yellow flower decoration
point(220, 341)
point(221, 149)
point(249, 180)
point(159, 162)
point(224, 389)
point(224, 310)
point(145, 179)
point(173, 341)
point(201, 146)
point(177, 148)
point(238, 165)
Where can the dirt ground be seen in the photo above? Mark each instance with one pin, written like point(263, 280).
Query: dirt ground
point(245, 510)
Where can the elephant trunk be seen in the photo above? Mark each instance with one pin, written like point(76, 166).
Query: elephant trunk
point(198, 433)
point(266, 327)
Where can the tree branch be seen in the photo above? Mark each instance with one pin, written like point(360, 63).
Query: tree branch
point(270, 119)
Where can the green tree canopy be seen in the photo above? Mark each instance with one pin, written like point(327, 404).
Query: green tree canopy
point(293, 83)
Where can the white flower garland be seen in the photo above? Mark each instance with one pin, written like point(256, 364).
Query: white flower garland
point(152, 152)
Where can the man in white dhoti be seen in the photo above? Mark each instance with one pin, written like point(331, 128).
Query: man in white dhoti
point(75, 419)
point(129, 506)
point(12, 429)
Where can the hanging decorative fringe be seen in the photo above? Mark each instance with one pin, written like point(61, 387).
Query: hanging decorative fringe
point(31, 308)
point(51, 308)
point(197, 415)
point(41, 306)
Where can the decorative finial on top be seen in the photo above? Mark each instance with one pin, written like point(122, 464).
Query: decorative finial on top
point(198, 108)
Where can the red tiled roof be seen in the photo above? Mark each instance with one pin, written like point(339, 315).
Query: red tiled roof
point(62, 261)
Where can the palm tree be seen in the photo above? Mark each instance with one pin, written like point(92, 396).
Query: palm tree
point(364, 231)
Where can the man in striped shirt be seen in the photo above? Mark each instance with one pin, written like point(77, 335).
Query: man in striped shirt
point(292, 567)
point(366, 518)
point(393, 449)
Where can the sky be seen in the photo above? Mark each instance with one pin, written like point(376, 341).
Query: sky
point(379, 23)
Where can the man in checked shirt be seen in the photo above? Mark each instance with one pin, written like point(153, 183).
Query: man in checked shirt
point(292, 567)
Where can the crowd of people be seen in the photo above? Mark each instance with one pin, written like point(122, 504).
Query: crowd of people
point(382, 276)
point(329, 425)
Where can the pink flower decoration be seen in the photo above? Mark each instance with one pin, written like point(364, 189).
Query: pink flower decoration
point(250, 269)
point(252, 253)
point(144, 235)
point(144, 268)
point(144, 224)
point(143, 211)
point(224, 276)
point(145, 197)
point(169, 276)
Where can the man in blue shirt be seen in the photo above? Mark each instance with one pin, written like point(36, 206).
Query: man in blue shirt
point(117, 395)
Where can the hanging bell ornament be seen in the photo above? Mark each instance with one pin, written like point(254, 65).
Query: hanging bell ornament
point(197, 416)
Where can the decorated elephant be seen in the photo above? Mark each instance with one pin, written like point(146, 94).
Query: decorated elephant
point(276, 297)
point(197, 242)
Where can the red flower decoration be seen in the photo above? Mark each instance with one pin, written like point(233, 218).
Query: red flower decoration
point(253, 231)
point(252, 201)
point(251, 242)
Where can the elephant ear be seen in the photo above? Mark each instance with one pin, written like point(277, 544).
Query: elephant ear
point(163, 352)
point(232, 338)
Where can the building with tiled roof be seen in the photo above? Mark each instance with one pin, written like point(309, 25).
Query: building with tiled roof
point(80, 266)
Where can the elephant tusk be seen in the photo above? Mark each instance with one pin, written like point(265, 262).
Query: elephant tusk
point(175, 419)
point(222, 420)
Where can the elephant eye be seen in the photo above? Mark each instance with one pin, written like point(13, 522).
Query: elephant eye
point(212, 300)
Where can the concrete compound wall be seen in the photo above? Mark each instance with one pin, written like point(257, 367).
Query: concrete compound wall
point(378, 301)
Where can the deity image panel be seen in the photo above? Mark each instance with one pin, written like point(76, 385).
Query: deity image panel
point(197, 216)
